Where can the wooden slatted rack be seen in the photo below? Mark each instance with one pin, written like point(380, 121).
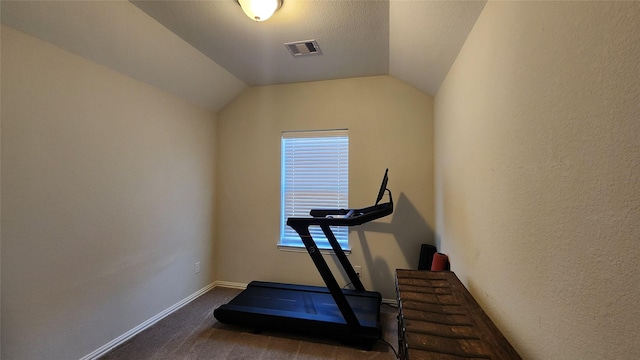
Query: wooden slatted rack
point(440, 320)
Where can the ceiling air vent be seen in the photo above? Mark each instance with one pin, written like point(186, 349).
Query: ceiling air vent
point(302, 48)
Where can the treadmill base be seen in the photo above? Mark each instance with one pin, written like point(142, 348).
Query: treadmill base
point(305, 309)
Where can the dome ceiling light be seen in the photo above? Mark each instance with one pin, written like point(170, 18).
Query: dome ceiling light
point(259, 10)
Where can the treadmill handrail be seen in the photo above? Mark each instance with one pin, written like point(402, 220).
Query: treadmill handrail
point(358, 216)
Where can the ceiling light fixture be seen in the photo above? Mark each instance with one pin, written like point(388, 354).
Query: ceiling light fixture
point(259, 10)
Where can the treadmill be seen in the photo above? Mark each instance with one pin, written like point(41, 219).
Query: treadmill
point(350, 316)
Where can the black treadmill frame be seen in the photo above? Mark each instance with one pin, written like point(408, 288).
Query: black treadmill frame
point(325, 218)
point(357, 334)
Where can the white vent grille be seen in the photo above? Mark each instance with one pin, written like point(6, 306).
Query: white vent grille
point(303, 48)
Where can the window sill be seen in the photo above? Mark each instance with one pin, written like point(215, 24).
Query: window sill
point(304, 250)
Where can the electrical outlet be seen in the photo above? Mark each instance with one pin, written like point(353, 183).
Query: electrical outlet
point(358, 270)
point(196, 267)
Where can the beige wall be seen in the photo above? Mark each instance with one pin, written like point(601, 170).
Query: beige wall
point(390, 125)
point(107, 201)
point(537, 175)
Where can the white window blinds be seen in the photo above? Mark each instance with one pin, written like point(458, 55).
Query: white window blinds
point(315, 175)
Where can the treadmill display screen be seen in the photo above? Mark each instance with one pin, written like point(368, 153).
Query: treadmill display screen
point(383, 186)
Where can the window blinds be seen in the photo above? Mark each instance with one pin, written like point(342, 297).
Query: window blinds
point(315, 175)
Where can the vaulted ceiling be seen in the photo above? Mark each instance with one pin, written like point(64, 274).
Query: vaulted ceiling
point(208, 51)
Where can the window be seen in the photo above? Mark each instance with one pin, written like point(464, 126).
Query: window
point(315, 175)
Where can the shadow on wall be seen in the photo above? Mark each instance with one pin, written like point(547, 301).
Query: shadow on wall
point(410, 230)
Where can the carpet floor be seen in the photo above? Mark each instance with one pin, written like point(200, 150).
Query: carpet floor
point(193, 333)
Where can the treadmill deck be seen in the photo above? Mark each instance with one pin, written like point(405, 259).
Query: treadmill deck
point(303, 308)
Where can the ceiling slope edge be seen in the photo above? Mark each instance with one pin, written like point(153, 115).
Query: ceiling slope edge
point(118, 35)
point(425, 38)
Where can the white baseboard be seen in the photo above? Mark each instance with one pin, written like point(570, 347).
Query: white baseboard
point(231, 285)
point(131, 333)
point(392, 302)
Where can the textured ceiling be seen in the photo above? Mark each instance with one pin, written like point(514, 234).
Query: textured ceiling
point(353, 37)
point(208, 51)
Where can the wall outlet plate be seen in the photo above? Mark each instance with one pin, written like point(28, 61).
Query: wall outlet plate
point(358, 270)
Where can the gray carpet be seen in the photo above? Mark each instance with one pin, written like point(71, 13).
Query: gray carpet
point(193, 333)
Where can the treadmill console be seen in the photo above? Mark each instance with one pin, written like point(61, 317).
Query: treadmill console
point(349, 217)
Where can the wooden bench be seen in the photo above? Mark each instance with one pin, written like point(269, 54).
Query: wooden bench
point(440, 320)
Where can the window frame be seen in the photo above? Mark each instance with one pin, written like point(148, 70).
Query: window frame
point(289, 240)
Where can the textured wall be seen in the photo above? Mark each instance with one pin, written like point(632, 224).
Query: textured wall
point(390, 125)
point(538, 175)
point(107, 201)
